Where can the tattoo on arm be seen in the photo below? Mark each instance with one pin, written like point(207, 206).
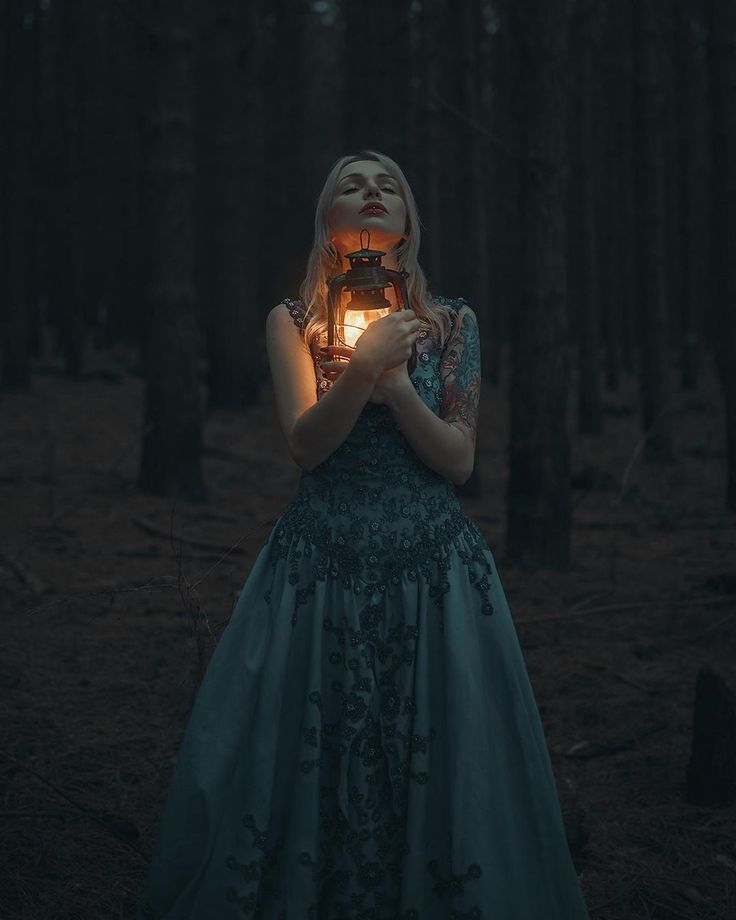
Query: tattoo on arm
point(460, 371)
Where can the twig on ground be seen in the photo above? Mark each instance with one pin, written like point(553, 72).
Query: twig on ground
point(74, 802)
point(187, 541)
point(23, 575)
point(167, 581)
point(639, 605)
point(585, 750)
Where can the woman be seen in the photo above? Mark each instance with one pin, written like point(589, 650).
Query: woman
point(365, 742)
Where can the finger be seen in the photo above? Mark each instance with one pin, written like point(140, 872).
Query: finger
point(337, 350)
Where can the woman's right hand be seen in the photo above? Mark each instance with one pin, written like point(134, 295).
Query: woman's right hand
point(387, 342)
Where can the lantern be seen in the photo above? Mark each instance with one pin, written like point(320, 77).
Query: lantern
point(366, 279)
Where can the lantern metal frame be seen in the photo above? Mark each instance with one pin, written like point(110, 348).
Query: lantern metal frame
point(366, 280)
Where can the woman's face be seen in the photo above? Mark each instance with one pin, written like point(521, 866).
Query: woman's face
point(366, 198)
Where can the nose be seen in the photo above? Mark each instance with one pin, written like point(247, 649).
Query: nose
point(372, 187)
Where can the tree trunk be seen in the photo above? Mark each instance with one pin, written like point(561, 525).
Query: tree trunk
point(377, 83)
point(538, 499)
point(323, 103)
point(227, 212)
point(499, 193)
point(476, 237)
point(128, 298)
point(504, 120)
point(172, 439)
point(431, 251)
point(456, 224)
point(282, 255)
point(723, 317)
point(674, 208)
point(629, 205)
point(695, 248)
point(651, 248)
point(19, 61)
point(610, 216)
point(711, 771)
point(582, 242)
point(69, 237)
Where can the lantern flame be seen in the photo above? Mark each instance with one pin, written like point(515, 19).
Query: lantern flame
point(355, 322)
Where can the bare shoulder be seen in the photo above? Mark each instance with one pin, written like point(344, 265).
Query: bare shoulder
point(284, 315)
point(280, 313)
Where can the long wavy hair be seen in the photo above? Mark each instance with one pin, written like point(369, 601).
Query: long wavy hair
point(324, 260)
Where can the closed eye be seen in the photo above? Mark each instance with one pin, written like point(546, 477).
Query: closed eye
point(354, 188)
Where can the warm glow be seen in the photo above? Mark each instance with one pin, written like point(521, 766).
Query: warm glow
point(357, 321)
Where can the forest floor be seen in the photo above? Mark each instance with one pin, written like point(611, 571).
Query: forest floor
point(107, 624)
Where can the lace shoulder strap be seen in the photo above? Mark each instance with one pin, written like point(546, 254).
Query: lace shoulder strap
point(296, 310)
point(454, 305)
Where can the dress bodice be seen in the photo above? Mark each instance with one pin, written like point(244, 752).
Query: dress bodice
point(373, 508)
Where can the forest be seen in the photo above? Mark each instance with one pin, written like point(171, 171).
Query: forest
point(574, 167)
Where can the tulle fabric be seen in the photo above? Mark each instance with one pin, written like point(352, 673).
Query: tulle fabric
point(466, 814)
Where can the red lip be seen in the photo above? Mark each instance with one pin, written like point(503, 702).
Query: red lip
point(373, 204)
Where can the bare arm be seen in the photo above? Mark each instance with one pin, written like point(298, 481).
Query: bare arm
point(313, 428)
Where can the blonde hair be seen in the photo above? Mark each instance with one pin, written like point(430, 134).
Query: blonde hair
point(324, 260)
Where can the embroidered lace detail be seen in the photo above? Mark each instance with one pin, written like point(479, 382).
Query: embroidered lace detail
point(297, 310)
point(372, 512)
point(369, 722)
point(370, 553)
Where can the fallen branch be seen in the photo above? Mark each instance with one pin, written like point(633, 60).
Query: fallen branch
point(188, 541)
point(23, 575)
point(640, 605)
point(35, 814)
point(584, 750)
point(622, 890)
point(105, 825)
point(711, 627)
point(167, 581)
point(624, 678)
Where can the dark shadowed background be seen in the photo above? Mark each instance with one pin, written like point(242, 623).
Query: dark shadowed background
point(574, 164)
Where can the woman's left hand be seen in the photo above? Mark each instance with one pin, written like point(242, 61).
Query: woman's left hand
point(390, 382)
point(387, 384)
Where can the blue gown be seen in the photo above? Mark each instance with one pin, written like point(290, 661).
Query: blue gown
point(365, 743)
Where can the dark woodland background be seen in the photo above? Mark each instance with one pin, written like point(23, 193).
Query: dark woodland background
point(574, 163)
